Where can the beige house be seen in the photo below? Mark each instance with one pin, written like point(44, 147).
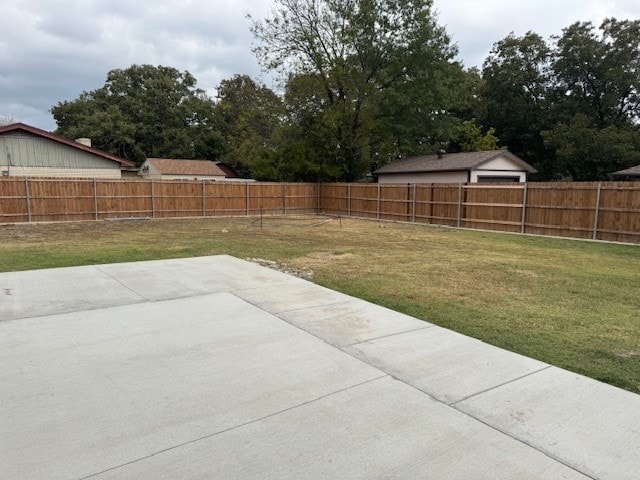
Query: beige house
point(466, 167)
point(26, 151)
point(172, 169)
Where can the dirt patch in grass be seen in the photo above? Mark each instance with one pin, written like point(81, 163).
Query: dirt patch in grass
point(321, 259)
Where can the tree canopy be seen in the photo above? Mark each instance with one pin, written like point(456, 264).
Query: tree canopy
point(571, 108)
point(367, 80)
point(144, 111)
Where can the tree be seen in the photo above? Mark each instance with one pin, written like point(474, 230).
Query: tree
point(6, 120)
point(248, 115)
point(471, 138)
point(373, 78)
point(515, 96)
point(144, 111)
point(596, 99)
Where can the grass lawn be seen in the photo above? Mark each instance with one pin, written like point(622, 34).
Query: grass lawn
point(573, 304)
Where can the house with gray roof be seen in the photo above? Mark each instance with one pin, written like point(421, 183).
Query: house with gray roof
point(632, 173)
point(27, 151)
point(465, 167)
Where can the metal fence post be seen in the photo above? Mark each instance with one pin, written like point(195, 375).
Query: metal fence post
point(597, 212)
point(95, 197)
point(524, 208)
point(26, 189)
point(378, 207)
point(459, 203)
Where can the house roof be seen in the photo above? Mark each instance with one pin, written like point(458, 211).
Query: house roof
point(14, 127)
point(228, 170)
point(629, 172)
point(168, 166)
point(451, 162)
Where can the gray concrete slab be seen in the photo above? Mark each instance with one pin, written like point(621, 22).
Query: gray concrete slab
point(445, 364)
point(381, 429)
point(589, 425)
point(352, 321)
point(177, 278)
point(277, 300)
point(59, 290)
point(86, 391)
point(215, 367)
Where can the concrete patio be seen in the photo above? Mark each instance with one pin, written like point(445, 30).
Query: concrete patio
point(214, 367)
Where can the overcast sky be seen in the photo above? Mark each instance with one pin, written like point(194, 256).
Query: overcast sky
point(52, 50)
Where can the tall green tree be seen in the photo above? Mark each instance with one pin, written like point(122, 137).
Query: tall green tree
point(248, 115)
point(514, 96)
point(379, 74)
point(144, 111)
point(596, 99)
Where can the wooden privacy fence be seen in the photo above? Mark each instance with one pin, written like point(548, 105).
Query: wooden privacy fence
point(604, 211)
point(40, 200)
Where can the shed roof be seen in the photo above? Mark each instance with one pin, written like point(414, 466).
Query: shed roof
point(168, 166)
point(629, 172)
point(451, 162)
point(15, 127)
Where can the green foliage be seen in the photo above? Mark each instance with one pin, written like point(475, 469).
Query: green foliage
point(247, 116)
point(571, 109)
point(367, 80)
point(471, 138)
point(600, 151)
point(144, 111)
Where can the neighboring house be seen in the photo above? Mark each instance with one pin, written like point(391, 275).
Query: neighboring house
point(632, 173)
point(169, 169)
point(27, 151)
point(467, 167)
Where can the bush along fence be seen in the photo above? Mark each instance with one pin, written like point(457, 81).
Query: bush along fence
point(603, 211)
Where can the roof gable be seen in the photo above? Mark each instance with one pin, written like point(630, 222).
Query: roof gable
point(15, 127)
point(167, 166)
point(629, 172)
point(452, 162)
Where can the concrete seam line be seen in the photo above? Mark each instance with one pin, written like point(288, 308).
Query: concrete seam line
point(97, 267)
point(453, 404)
point(195, 440)
point(371, 340)
point(528, 444)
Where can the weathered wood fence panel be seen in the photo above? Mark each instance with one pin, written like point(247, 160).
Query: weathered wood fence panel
point(605, 210)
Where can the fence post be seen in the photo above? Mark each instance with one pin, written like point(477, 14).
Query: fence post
point(26, 189)
point(246, 184)
point(378, 207)
point(349, 200)
point(153, 199)
point(204, 207)
point(524, 208)
point(413, 209)
point(95, 197)
point(284, 198)
point(318, 207)
point(459, 203)
point(597, 213)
